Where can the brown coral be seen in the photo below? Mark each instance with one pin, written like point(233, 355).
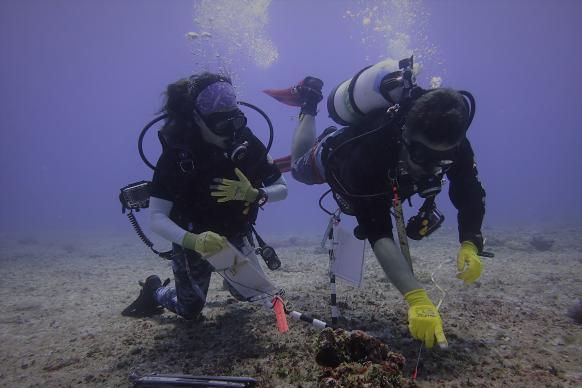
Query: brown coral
point(356, 359)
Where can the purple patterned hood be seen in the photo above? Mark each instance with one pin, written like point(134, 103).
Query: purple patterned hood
point(216, 97)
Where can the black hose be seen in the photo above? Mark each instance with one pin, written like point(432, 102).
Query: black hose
point(267, 119)
point(144, 238)
point(471, 106)
point(138, 230)
point(141, 136)
point(165, 115)
point(321, 202)
point(335, 180)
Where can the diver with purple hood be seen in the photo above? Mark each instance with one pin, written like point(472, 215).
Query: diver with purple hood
point(208, 185)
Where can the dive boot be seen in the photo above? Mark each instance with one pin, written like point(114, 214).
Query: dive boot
point(145, 305)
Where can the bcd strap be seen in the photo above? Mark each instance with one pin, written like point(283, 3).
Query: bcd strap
point(185, 158)
point(183, 152)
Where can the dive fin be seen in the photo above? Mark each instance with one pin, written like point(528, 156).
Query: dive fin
point(289, 96)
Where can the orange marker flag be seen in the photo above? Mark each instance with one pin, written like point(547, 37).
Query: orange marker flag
point(280, 314)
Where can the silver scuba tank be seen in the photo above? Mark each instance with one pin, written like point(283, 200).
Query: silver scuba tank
point(375, 87)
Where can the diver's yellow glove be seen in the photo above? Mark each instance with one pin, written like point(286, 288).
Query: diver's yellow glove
point(231, 190)
point(424, 321)
point(468, 263)
point(206, 243)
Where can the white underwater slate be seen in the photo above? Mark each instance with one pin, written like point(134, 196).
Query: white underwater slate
point(349, 256)
point(240, 273)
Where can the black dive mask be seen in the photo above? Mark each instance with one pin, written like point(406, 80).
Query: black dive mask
point(434, 165)
point(427, 157)
point(226, 124)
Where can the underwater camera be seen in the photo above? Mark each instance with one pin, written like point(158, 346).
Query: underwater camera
point(428, 219)
point(135, 196)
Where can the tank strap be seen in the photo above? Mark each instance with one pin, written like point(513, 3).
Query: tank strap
point(351, 87)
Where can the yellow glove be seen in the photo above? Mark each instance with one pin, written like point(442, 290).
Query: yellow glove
point(468, 263)
point(206, 243)
point(424, 321)
point(231, 190)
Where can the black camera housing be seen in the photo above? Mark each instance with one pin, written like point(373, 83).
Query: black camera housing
point(135, 196)
point(424, 223)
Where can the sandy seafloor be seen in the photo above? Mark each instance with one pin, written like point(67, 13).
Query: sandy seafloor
point(60, 322)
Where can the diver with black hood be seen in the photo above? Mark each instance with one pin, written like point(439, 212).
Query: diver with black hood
point(398, 140)
point(207, 187)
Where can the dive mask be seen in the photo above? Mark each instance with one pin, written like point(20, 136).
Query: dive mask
point(226, 124)
point(425, 156)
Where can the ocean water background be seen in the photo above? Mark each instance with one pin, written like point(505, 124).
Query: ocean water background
point(81, 78)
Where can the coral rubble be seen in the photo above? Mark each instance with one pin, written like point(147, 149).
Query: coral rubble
point(357, 360)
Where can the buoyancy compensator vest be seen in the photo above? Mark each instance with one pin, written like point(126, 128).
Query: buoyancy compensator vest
point(135, 196)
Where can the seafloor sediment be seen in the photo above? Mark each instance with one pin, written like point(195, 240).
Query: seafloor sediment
point(61, 324)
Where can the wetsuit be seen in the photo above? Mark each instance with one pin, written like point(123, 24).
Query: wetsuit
point(361, 170)
point(181, 202)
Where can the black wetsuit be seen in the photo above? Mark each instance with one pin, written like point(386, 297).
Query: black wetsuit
point(187, 184)
point(183, 175)
point(361, 170)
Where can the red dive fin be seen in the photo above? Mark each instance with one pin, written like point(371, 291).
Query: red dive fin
point(289, 96)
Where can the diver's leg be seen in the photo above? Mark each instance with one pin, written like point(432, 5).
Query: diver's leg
point(303, 137)
point(192, 277)
point(395, 265)
point(306, 164)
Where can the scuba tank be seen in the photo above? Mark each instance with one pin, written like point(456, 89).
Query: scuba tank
point(376, 87)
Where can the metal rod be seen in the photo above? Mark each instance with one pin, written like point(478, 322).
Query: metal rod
point(332, 286)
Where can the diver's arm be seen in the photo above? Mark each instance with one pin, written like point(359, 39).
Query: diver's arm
point(206, 243)
point(467, 195)
point(373, 216)
point(395, 265)
point(276, 191)
point(424, 321)
point(161, 223)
